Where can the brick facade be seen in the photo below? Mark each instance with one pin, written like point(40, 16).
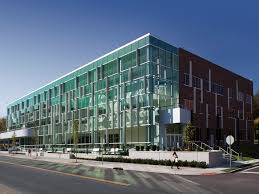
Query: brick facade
point(220, 100)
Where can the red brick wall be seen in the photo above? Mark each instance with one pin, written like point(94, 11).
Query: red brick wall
point(226, 78)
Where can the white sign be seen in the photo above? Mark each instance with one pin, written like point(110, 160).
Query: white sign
point(230, 140)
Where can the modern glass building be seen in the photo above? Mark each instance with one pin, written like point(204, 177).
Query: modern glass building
point(117, 99)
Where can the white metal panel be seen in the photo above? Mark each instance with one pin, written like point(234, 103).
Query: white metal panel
point(18, 133)
point(181, 115)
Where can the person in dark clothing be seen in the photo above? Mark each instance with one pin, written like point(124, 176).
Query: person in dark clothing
point(29, 152)
point(175, 161)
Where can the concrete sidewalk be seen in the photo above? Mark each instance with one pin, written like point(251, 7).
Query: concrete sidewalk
point(128, 166)
point(7, 190)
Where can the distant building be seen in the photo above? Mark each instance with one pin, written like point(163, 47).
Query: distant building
point(142, 93)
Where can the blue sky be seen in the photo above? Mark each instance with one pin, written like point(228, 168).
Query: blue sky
point(42, 40)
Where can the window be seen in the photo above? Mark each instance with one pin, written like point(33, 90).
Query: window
point(231, 93)
point(196, 82)
point(206, 85)
point(219, 111)
point(92, 76)
point(70, 85)
point(168, 59)
point(125, 76)
point(218, 89)
point(143, 55)
point(186, 79)
point(241, 115)
point(83, 79)
point(161, 57)
point(154, 54)
point(50, 93)
point(240, 96)
point(45, 96)
point(34, 100)
point(128, 61)
point(110, 68)
point(232, 113)
point(248, 99)
point(139, 71)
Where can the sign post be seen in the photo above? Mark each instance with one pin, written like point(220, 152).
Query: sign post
point(230, 140)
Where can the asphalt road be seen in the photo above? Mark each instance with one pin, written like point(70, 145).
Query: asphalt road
point(22, 178)
point(28, 180)
point(244, 182)
point(36, 176)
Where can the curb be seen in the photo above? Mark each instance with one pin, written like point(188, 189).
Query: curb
point(244, 167)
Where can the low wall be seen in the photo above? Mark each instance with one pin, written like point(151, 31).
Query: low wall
point(212, 158)
point(51, 155)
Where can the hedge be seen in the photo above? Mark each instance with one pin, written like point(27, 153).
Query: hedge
point(154, 162)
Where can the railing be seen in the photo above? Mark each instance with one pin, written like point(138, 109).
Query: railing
point(227, 152)
point(197, 146)
point(201, 145)
point(233, 151)
point(222, 149)
point(206, 145)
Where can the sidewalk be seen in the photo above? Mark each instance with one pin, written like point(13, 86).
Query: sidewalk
point(128, 166)
point(7, 190)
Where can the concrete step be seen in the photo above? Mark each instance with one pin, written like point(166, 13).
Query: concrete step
point(227, 157)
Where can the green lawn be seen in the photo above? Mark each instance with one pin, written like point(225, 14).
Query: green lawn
point(248, 151)
point(228, 170)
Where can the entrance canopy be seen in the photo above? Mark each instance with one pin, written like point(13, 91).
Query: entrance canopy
point(28, 132)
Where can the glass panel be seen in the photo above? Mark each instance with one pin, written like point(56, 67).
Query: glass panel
point(128, 61)
point(143, 55)
point(110, 68)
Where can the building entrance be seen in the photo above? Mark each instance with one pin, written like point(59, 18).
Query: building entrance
point(174, 141)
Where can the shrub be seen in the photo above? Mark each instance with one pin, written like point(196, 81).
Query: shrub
point(153, 147)
point(153, 162)
point(193, 164)
point(202, 165)
point(185, 163)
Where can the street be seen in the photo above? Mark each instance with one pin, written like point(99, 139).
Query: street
point(35, 176)
point(28, 180)
point(242, 182)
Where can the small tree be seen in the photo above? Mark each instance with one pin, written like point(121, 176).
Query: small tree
point(35, 139)
point(188, 134)
point(13, 139)
point(75, 135)
point(256, 129)
point(2, 124)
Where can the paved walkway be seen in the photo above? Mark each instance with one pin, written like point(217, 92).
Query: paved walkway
point(128, 166)
point(7, 190)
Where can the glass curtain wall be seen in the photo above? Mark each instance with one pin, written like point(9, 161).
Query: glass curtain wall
point(115, 99)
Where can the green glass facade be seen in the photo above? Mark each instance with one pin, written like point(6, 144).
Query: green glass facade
point(115, 98)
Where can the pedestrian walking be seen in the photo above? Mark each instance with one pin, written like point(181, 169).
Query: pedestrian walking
point(175, 160)
point(29, 152)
